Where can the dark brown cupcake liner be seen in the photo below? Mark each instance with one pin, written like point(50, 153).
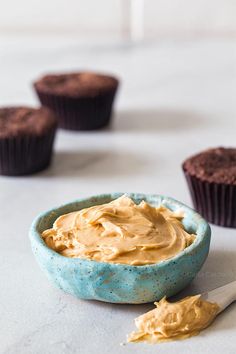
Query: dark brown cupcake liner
point(216, 202)
point(26, 154)
point(81, 113)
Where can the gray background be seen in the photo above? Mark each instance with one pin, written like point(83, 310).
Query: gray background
point(177, 97)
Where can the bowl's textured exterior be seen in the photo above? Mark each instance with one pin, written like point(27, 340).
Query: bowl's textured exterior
point(120, 283)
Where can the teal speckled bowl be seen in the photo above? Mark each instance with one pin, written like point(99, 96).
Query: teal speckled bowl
point(120, 283)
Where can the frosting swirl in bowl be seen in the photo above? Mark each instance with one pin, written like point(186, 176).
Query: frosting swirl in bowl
point(120, 232)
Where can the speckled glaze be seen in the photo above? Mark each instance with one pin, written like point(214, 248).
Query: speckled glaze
point(119, 283)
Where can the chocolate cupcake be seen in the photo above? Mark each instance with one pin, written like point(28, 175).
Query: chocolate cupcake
point(211, 177)
point(81, 101)
point(26, 139)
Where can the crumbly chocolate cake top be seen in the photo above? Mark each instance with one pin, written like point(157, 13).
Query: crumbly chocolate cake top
point(76, 84)
point(213, 165)
point(22, 121)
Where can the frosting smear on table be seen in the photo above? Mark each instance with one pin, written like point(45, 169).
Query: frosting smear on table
point(177, 320)
point(120, 232)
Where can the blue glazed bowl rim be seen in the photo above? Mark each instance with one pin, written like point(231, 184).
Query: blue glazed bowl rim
point(203, 229)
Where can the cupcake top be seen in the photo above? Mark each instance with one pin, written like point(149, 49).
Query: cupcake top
point(213, 165)
point(23, 121)
point(76, 84)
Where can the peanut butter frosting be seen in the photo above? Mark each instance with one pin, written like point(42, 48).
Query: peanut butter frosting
point(178, 320)
point(120, 232)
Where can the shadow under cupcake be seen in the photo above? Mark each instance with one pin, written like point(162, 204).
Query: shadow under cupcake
point(81, 101)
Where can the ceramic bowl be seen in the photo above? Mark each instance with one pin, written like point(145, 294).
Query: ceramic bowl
point(120, 283)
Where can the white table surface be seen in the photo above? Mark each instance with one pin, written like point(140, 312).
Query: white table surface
point(177, 97)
